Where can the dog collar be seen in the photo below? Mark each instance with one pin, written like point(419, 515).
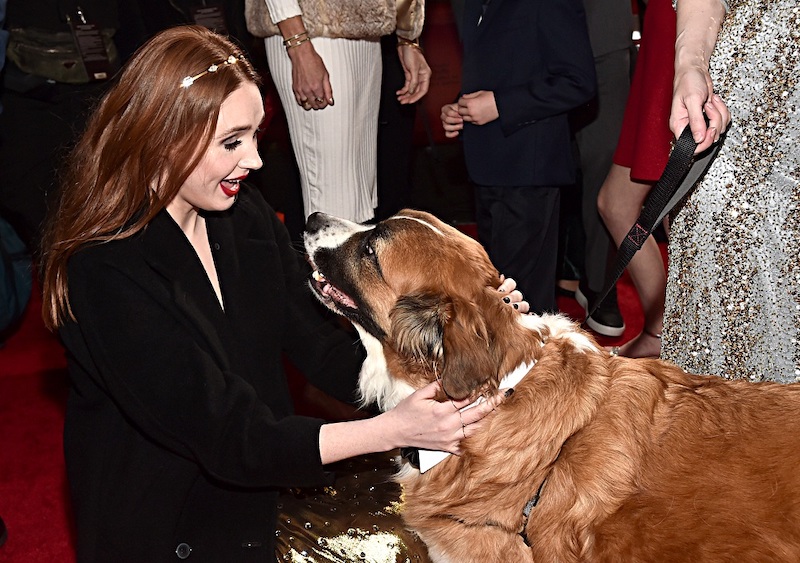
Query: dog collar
point(425, 459)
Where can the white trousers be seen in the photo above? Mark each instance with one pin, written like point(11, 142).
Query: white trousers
point(336, 147)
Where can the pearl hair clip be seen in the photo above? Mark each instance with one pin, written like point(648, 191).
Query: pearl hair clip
point(189, 80)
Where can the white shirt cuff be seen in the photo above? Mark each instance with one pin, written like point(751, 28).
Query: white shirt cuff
point(280, 10)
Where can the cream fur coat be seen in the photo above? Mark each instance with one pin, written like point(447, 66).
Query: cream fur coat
point(350, 19)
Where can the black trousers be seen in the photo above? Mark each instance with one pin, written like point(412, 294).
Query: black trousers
point(600, 123)
point(395, 136)
point(518, 226)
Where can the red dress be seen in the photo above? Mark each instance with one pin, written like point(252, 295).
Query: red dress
point(645, 137)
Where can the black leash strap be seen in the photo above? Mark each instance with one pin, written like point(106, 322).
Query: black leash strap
point(681, 174)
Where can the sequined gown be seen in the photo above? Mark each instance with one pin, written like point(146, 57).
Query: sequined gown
point(733, 291)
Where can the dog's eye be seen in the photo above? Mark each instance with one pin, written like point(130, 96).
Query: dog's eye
point(370, 257)
point(368, 247)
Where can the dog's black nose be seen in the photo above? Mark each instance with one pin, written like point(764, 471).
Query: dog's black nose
point(316, 221)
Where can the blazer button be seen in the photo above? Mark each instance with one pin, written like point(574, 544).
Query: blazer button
point(216, 246)
point(183, 550)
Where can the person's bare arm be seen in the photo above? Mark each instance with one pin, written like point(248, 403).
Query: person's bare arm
point(416, 70)
point(418, 421)
point(310, 81)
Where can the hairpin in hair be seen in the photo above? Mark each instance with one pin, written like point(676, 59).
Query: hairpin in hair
point(189, 80)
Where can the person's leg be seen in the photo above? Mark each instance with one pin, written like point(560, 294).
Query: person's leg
point(620, 203)
point(395, 136)
point(596, 141)
point(571, 240)
point(519, 228)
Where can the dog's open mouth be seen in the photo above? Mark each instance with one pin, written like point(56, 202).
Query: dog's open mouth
point(329, 292)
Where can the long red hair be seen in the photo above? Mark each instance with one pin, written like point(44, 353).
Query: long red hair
point(141, 143)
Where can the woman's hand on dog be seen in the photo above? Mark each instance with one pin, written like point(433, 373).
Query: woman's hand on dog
point(421, 421)
point(418, 421)
point(510, 295)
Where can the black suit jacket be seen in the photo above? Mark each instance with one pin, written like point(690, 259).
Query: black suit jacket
point(536, 58)
point(179, 422)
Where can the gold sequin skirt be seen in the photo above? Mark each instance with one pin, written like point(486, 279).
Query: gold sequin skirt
point(356, 520)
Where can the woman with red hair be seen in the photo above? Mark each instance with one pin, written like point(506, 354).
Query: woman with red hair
point(175, 291)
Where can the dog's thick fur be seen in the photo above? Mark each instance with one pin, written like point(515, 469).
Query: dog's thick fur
point(640, 461)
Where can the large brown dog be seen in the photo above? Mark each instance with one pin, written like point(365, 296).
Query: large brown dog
point(593, 458)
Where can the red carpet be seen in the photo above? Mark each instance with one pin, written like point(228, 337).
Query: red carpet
point(33, 384)
point(33, 497)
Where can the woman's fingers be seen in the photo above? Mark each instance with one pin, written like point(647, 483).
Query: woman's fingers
point(512, 296)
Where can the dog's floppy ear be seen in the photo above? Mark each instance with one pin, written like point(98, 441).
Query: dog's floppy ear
point(418, 326)
point(468, 361)
point(447, 332)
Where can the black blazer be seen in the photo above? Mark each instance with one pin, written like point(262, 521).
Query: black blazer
point(179, 422)
point(536, 58)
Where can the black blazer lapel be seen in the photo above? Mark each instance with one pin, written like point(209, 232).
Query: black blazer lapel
point(244, 260)
point(171, 256)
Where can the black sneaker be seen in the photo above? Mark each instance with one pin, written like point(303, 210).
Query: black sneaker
point(606, 320)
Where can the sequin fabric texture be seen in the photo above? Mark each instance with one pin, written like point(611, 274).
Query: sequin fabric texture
point(733, 291)
point(357, 520)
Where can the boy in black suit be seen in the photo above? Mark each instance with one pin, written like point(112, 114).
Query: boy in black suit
point(526, 64)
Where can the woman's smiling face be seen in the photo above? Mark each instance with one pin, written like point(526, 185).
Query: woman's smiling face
point(232, 154)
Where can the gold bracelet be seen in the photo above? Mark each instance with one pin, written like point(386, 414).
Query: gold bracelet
point(296, 40)
point(298, 43)
point(411, 43)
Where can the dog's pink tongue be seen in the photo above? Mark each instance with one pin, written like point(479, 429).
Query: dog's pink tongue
point(333, 293)
point(340, 297)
